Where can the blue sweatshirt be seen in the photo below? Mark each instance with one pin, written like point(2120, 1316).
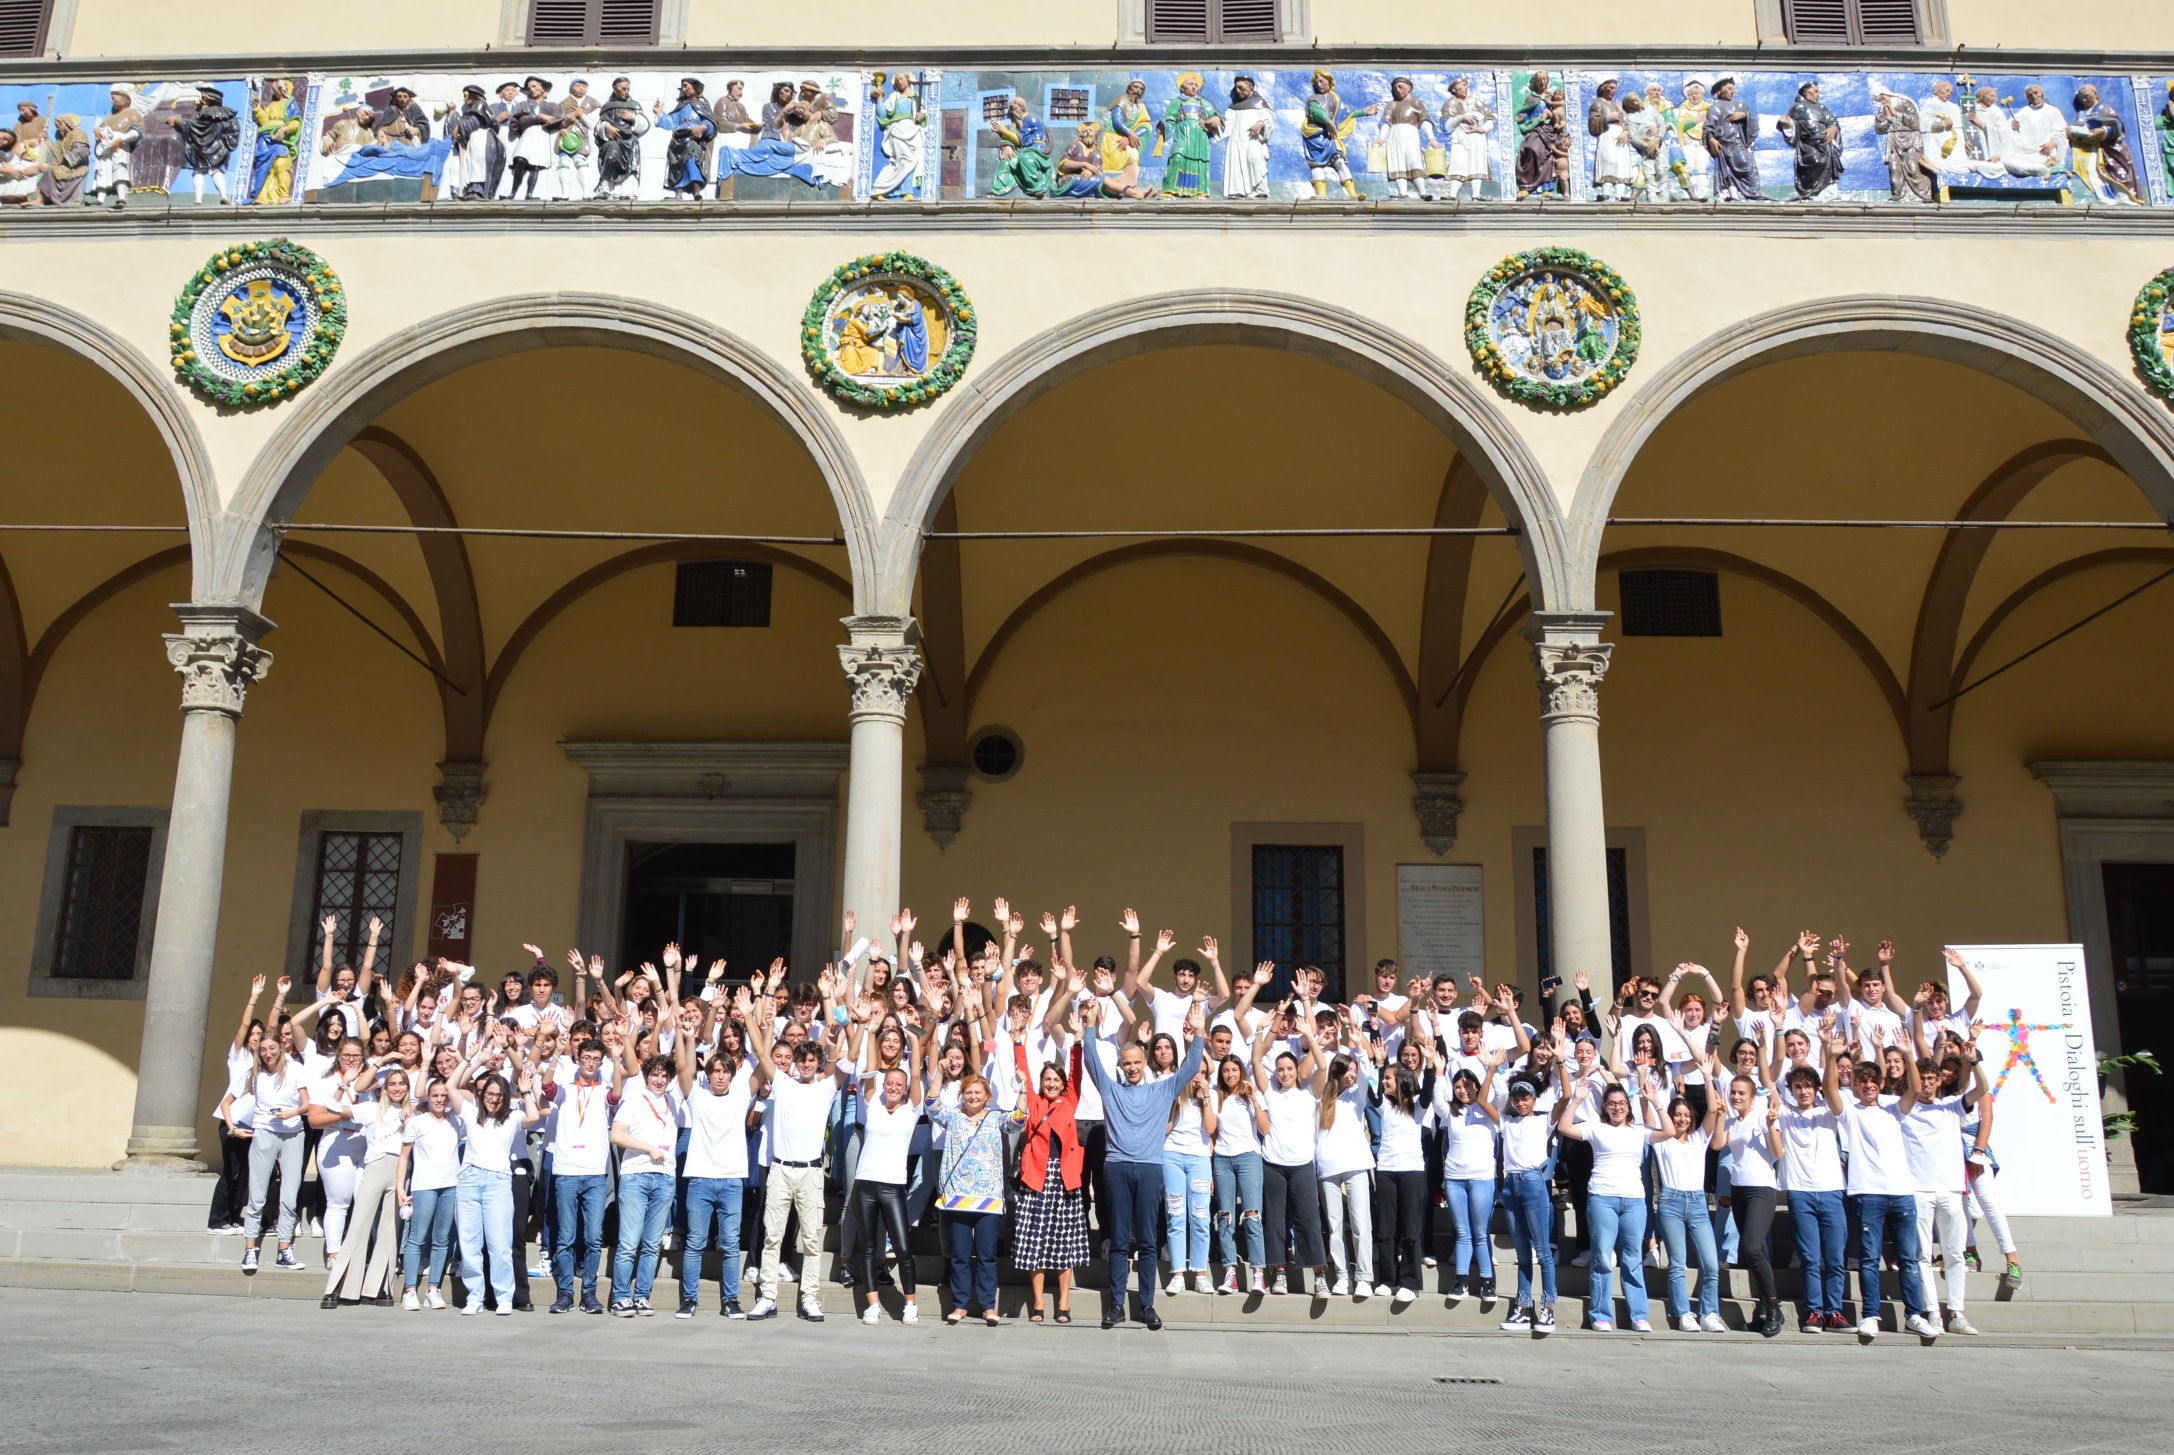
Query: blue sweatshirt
point(1136, 1118)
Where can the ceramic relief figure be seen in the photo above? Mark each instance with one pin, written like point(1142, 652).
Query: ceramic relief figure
point(1615, 165)
point(278, 114)
point(620, 125)
point(1189, 123)
point(694, 135)
point(1129, 113)
point(532, 136)
point(899, 119)
point(2099, 144)
point(209, 134)
point(1079, 170)
point(478, 156)
point(1543, 147)
point(1817, 136)
point(1024, 166)
point(573, 145)
point(1732, 130)
point(1407, 131)
point(1327, 127)
point(1247, 124)
point(2165, 127)
point(1466, 125)
point(1909, 179)
point(1651, 137)
point(113, 148)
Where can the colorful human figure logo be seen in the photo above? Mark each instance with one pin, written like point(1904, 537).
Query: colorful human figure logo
point(2018, 1032)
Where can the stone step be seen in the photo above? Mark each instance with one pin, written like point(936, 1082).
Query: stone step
point(1428, 1314)
point(36, 1184)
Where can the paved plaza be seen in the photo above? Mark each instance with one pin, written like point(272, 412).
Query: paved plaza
point(95, 1372)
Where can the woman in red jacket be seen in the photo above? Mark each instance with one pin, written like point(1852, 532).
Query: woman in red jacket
point(1049, 1232)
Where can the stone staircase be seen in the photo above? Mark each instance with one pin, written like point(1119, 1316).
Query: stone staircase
point(2086, 1277)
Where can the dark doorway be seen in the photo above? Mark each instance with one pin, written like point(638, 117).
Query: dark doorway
point(2140, 922)
point(722, 901)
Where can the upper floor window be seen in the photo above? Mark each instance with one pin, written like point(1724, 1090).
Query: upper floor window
point(100, 902)
point(22, 26)
point(1213, 22)
point(593, 22)
point(1852, 22)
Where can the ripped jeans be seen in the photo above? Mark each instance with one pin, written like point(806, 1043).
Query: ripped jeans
point(1238, 1207)
point(1186, 1184)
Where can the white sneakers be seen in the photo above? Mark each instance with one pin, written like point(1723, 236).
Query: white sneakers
point(410, 1302)
point(1921, 1326)
point(1957, 1324)
point(1712, 1324)
point(1362, 1291)
point(1260, 1282)
point(505, 1310)
point(1405, 1296)
point(1321, 1290)
point(912, 1315)
point(1338, 1289)
point(471, 1308)
point(1868, 1329)
point(1283, 1281)
point(1202, 1283)
point(1383, 1290)
point(433, 1299)
point(873, 1314)
point(1688, 1324)
point(1176, 1283)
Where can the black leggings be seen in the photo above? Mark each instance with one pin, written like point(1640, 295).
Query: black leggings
point(885, 1200)
point(1754, 1210)
point(1400, 1200)
point(1574, 1170)
point(1291, 1202)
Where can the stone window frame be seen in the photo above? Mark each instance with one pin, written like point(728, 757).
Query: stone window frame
point(395, 951)
point(1773, 29)
point(66, 819)
point(1524, 838)
point(1239, 951)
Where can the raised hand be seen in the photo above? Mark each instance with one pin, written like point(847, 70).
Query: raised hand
point(1129, 922)
point(1003, 910)
point(1165, 941)
point(331, 926)
point(1208, 948)
point(852, 923)
point(534, 953)
point(1263, 972)
point(1069, 920)
point(1582, 981)
point(573, 958)
point(1886, 952)
point(256, 986)
point(286, 983)
point(1953, 957)
point(671, 955)
point(906, 922)
point(961, 908)
point(1015, 927)
point(1049, 924)
point(1743, 941)
point(777, 975)
point(1808, 944)
point(717, 970)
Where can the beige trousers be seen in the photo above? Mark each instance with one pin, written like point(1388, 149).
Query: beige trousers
point(789, 1190)
point(376, 1210)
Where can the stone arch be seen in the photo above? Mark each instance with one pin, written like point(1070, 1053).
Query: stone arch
point(38, 321)
point(2106, 408)
point(1240, 551)
point(338, 408)
point(1449, 398)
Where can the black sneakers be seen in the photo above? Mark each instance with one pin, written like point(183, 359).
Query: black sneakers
point(687, 1307)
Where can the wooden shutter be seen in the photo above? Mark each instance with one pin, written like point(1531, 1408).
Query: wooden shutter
point(22, 26)
point(1251, 21)
point(1886, 22)
point(1852, 22)
point(592, 22)
point(1179, 22)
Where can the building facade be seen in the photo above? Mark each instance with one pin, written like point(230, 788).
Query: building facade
point(1194, 429)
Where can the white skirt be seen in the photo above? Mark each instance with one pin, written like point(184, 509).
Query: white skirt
point(1406, 157)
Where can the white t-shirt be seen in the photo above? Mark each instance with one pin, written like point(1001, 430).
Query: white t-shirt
point(278, 1095)
point(1873, 1026)
point(1186, 1136)
point(1294, 1121)
point(886, 1141)
point(1403, 1143)
point(1932, 1144)
point(1751, 1156)
point(435, 1160)
point(1683, 1161)
point(800, 1116)
point(1619, 1155)
point(383, 1130)
point(581, 1142)
point(1878, 1159)
point(239, 1065)
point(1236, 1131)
point(490, 1144)
point(1342, 1146)
point(1524, 1143)
point(1472, 1135)
point(1811, 1149)
point(648, 1118)
point(717, 1140)
point(1168, 1009)
point(1626, 1034)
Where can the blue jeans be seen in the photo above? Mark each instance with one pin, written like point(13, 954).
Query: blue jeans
point(1531, 1221)
point(645, 1210)
point(1186, 1184)
point(430, 1228)
point(1877, 1212)
point(1822, 1241)
point(1135, 1191)
point(1684, 1213)
point(1619, 1232)
point(484, 1203)
point(578, 1200)
point(712, 1201)
point(1724, 1220)
point(1472, 1208)
point(970, 1239)
point(1238, 1207)
point(679, 1182)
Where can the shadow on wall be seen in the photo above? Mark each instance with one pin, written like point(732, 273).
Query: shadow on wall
point(73, 1101)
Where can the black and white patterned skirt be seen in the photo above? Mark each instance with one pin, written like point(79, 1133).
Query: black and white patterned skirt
point(1049, 1228)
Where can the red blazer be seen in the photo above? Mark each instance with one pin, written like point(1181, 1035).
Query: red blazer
point(1045, 1117)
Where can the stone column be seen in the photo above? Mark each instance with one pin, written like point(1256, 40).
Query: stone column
point(882, 664)
point(1571, 658)
point(217, 655)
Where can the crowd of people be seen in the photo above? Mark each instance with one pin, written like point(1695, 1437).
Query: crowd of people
point(1205, 1131)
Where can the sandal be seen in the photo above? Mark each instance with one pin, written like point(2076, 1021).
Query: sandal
point(991, 1319)
point(1034, 1316)
point(956, 1316)
point(1064, 1316)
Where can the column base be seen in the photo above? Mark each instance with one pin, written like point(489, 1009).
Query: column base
point(168, 1151)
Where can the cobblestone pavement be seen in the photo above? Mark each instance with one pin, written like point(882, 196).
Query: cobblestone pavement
point(91, 1372)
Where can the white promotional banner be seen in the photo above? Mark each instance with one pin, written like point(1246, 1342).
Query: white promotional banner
point(2043, 1067)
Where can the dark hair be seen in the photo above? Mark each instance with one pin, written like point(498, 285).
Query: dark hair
point(1471, 1020)
point(544, 975)
point(1799, 1074)
point(1676, 1101)
point(1188, 964)
point(1405, 1096)
point(1104, 962)
point(658, 1063)
point(505, 1103)
point(807, 1051)
point(1027, 966)
point(1646, 1033)
point(1464, 1077)
point(805, 993)
point(1243, 1074)
point(514, 975)
point(585, 1047)
point(1161, 1038)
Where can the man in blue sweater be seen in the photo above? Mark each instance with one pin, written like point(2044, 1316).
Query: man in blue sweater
point(1136, 1113)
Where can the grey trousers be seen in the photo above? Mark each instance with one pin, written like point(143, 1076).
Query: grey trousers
point(266, 1151)
point(373, 1227)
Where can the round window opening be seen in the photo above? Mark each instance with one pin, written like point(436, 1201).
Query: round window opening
point(996, 753)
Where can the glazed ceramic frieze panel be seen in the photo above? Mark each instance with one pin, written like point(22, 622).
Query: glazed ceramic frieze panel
point(184, 143)
point(2155, 106)
point(565, 136)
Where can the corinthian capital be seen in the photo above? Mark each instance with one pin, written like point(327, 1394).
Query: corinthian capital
point(1571, 659)
point(217, 655)
point(882, 663)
